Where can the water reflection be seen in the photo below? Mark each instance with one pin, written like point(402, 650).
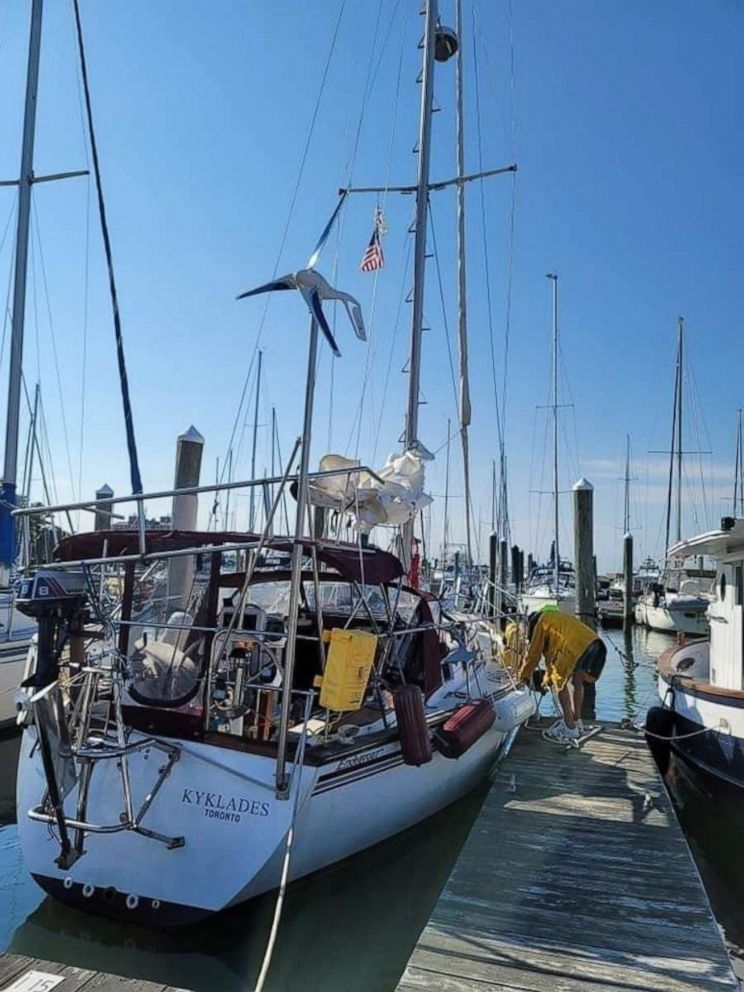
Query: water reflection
point(9, 746)
point(712, 814)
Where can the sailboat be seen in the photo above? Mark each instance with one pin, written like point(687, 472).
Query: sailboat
point(679, 600)
point(292, 700)
point(16, 630)
point(553, 584)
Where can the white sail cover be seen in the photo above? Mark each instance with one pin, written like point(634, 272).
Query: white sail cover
point(388, 501)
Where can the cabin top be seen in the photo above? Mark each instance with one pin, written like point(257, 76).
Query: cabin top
point(728, 542)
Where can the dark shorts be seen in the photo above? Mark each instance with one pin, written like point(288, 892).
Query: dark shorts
point(592, 661)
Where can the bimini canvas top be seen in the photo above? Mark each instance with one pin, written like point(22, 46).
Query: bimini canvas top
point(369, 565)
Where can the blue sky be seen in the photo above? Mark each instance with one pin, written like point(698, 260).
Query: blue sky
point(625, 119)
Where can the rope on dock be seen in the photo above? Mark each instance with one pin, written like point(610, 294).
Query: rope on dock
point(627, 724)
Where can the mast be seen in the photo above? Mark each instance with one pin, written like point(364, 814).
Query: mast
point(445, 536)
point(8, 495)
point(252, 503)
point(738, 470)
point(557, 557)
point(465, 411)
point(419, 248)
point(670, 452)
point(680, 366)
point(626, 507)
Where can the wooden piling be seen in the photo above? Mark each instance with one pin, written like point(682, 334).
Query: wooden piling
point(583, 493)
point(503, 564)
point(189, 448)
point(493, 558)
point(103, 514)
point(515, 565)
point(628, 581)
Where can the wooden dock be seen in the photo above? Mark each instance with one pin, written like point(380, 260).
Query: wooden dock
point(576, 877)
point(19, 973)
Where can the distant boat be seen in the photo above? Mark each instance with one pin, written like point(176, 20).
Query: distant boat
point(547, 585)
point(679, 600)
point(555, 583)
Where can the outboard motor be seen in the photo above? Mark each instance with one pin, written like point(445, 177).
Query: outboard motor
point(56, 600)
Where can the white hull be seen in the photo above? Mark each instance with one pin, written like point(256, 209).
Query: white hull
point(222, 802)
point(16, 631)
point(12, 664)
point(680, 616)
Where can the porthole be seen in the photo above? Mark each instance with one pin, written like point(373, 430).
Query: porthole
point(723, 586)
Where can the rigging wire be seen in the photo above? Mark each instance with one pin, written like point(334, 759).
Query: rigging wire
point(86, 286)
point(393, 339)
point(444, 312)
point(7, 314)
point(372, 343)
point(55, 354)
point(290, 214)
point(699, 425)
point(136, 479)
point(486, 256)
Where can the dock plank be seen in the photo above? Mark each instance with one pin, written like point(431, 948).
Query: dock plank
point(576, 877)
point(14, 966)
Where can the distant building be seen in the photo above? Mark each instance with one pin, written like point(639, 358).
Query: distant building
point(162, 523)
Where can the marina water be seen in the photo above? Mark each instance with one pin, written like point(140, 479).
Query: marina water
point(353, 925)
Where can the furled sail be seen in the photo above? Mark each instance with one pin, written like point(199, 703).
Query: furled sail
point(391, 497)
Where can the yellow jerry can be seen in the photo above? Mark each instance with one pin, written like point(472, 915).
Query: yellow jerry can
point(351, 655)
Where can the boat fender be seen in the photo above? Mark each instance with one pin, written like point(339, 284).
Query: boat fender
point(659, 732)
point(466, 725)
point(415, 742)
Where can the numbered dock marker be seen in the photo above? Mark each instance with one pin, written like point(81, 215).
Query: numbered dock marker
point(35, 981)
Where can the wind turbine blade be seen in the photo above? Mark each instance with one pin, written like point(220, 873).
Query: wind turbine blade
point(313, 260)
point(286, 282)
point(313, 301)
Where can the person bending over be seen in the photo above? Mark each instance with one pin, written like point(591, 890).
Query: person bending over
point(573, 655)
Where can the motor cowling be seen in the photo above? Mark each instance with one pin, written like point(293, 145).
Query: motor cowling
point(56, 599)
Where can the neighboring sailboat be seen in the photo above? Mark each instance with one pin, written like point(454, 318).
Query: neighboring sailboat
point(679, 601)
point(299, 706)
point(553, 584)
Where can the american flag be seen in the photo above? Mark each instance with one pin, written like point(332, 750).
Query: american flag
point(373, 257)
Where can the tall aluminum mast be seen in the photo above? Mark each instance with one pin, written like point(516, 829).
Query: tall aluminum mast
point(465, 411)
point(8, 496)
point(626, 501)
point(419, 248)
point(680, 377)
point(422, 213)
point(556, 552)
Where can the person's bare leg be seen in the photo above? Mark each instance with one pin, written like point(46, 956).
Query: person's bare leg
point(564, 697)
point(577, 680)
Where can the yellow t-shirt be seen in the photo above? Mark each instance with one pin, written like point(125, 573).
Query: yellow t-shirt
point(561, 640)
